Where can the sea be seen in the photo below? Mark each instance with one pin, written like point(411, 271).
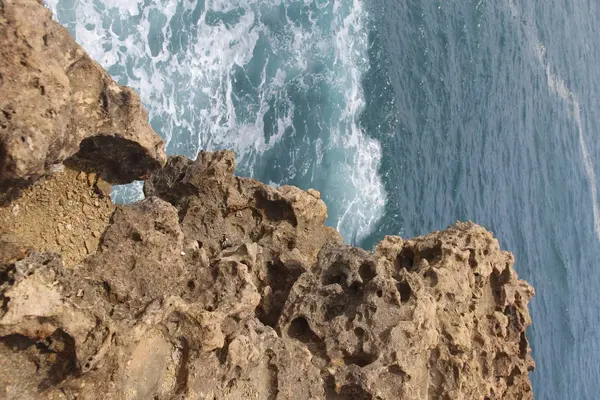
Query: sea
point(407, 115)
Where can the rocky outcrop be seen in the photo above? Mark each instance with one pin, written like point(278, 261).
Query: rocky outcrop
point(216, 286)
point(58, 104)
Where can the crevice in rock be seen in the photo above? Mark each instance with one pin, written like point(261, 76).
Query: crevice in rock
point(275, 210)
point(300, 330)
point(361, 359)
point(523, 346)
point(405, 259)
point(396, 370)
point(367, 271)
point(431, 254)
point(280, 278)
point(181, 383)
point(115, 159)
point(273, 377)
point(405, 291)
point(56, 353)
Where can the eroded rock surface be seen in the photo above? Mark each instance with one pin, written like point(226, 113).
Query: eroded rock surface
point(65, 212)
point(58, 104)
point(215, 286)
point(220, 287)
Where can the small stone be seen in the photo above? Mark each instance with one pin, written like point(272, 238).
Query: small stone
point(62, 202)
point(82, 176)
point(80, 293)
point(103, 188)
point(90, 246)
point(91, 179)
point(87, 210)
point(314, 193)
point(183, 253)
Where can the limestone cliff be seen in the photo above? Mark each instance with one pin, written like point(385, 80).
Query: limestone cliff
point(217, 286)
point(58, 104)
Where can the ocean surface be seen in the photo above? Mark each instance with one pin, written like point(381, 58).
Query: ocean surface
point(407, 116)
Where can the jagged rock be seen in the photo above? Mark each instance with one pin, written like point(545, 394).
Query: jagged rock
point(278, 308)
point(219, 211)
point(257, 364)
point(216, 286)
point(57, 104)
point(444, 316)
point(139, 257)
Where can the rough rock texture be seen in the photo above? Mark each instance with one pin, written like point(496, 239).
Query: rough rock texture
point(56, 103)
point(215, 286)
point(220, 287)
point(64, 212)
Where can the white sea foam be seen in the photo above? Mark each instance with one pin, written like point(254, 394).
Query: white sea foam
point(365, 207)
point(191, 91)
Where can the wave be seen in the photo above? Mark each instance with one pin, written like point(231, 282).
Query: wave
point(558, 86)
point(240, 74)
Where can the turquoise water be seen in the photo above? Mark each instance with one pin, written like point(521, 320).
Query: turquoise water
point(407, 115)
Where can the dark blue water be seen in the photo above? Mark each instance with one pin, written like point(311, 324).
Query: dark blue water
point(407, 115)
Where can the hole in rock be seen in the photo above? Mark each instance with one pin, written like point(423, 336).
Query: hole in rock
point(361, 359)
point(136, 237)
point(359, 332)
point(280, 277)
point(406, 259)
point(116, 159)
point(354, 392)
point(432, 277)
point(396, 370)
point(404, 290)
point(275, 210)
point(300, 330)
point(17, 342)
point(366, 271)
point(432, 253)
point(335, 274)
point(472, 261)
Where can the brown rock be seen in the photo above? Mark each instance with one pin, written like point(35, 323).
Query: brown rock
point(215, 286)
point(49, 221)
point(103, 188)
point(57, 103)
point(139, 257)
point(90, 246)
point(222, 211)
point(437, 319)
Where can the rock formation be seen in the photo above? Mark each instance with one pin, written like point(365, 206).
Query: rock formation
point(217, 286)
point(58, 104)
